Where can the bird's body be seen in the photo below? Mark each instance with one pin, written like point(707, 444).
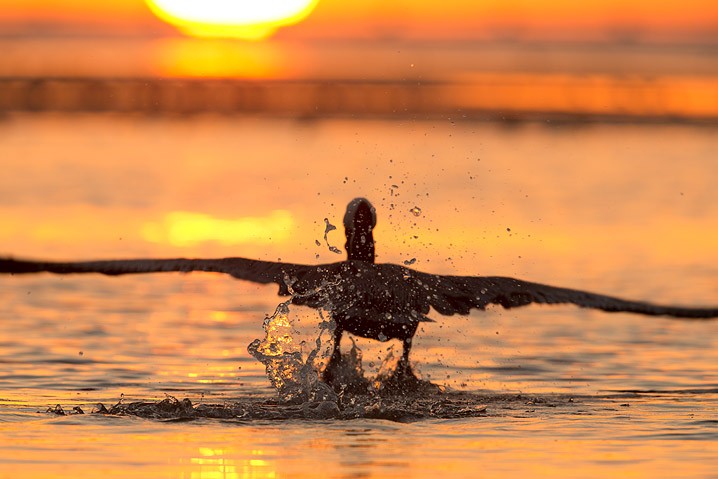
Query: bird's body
point(376, 301)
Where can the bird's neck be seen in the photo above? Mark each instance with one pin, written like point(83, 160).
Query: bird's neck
point(360, 245)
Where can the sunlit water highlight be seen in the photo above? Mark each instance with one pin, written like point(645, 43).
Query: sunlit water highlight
point(534, 392)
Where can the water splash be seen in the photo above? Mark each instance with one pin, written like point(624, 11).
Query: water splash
point(294, 373)
point(450, 405)
point(294, 376)
point(328, 228)
point(386, 368)
point(302, 394)
point(348, 374)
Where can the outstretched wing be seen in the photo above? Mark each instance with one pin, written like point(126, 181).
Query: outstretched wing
point(458, 294)
point(241, 268)
point(387, 287)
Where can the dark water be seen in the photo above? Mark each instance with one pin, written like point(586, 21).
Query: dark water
point(540, 391)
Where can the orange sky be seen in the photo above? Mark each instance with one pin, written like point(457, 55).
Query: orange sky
point(688, 20)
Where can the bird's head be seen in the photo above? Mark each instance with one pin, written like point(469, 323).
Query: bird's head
point(359, 221)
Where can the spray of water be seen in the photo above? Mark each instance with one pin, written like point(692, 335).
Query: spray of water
point(293, 374)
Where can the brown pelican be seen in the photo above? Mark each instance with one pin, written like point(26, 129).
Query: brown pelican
point(376, 301)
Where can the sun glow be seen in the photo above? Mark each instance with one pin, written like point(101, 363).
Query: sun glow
point(231, 19)
point(184, 228)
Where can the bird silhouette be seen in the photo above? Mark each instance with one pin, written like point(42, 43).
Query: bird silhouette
point(376, 301)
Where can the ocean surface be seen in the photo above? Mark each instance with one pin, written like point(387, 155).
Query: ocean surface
point(622, 209)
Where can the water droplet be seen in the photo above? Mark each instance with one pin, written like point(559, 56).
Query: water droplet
point(416, 211)
point(330, 227)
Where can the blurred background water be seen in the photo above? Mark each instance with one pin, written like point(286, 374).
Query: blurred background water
point(565, 145)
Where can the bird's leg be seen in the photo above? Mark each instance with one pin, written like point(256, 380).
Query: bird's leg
point(344, 374)
point(403, 368)
point(403, 380)
point(330, 371)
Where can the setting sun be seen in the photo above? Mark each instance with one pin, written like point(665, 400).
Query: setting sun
point(219, 18)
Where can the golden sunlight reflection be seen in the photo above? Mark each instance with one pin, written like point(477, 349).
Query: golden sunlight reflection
point(236, 19)
point(213, 463)
point(217, 58)
point(184, 228)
